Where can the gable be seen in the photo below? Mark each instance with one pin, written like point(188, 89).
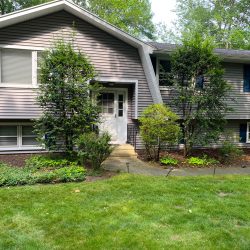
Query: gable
point(110, 56)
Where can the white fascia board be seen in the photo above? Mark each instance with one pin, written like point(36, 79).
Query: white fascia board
point(31, 13)
point(51, 7)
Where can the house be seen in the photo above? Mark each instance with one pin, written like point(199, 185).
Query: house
point(128, 67)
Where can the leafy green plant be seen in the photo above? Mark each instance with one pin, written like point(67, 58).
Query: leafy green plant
point(68, 108)
point(230, 151)
point(158, 128)
point(71, 173)
point(168, 160)
point(204, 161)
point(45, 170)
point(93, 148)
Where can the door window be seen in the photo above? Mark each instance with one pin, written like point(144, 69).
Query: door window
point(120, 105)
point(106, 102)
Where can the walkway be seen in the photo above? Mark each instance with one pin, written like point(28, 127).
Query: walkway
point(124, 159)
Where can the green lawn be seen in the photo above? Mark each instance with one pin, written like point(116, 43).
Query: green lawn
point(128, 212)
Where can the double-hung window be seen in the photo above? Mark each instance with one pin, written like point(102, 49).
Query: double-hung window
point(17, 136)
point(246, 86)
point(164, 68)
point(18, 68)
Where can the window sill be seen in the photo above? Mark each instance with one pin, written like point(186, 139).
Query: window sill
point(18, 85)
point(20, 148)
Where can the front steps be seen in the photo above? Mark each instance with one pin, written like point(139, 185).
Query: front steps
point(124, 150)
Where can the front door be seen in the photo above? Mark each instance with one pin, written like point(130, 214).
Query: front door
point(113, 104)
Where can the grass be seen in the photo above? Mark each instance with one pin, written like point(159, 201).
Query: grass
point(128, 212)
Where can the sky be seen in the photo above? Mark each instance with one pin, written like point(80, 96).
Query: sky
point(163, 11)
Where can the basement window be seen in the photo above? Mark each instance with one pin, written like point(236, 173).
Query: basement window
point(13, 137)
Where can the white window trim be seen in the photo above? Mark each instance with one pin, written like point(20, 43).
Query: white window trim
point(19, 138)
point(248, 139)
point(34, 83)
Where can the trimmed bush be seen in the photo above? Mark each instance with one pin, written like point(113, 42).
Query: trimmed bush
point(158, 128)
point(93, 148)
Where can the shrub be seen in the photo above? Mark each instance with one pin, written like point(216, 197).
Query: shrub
point(229, 151)
point(93, 148)
point(169, 161)
point(158, 128)
point(204, 161)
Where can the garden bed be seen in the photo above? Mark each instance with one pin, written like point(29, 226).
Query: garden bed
point(242, 161)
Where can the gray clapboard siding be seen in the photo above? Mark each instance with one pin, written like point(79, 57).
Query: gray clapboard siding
point(18, 103)
point(110, 56)
point(238, 100)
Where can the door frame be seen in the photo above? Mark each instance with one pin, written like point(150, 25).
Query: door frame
point(125, 108)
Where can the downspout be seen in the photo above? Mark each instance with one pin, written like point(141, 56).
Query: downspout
point(150, 74)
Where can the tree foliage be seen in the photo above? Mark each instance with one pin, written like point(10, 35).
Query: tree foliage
point(158, 127)
point(132, 16)
point(64, 96)
point(200, 91)
point(226, 20)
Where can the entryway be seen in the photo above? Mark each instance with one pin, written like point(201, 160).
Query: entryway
point(113, 103)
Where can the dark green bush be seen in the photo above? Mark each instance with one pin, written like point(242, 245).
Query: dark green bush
point(168, 160)
point(93, 148)
point(230, 151)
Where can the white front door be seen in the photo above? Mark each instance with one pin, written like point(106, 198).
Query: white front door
point(113, 104)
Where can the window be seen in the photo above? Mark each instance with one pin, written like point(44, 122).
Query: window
point(164, 70)
point(8, 136)
point(106, 102)
point(18, 67)
point(199, 82)
point(246, 86)
point(17, 136)
point(120, 105)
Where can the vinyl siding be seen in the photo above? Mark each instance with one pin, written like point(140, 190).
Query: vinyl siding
point(110, 56)
point(18, 103)
point(238, 100)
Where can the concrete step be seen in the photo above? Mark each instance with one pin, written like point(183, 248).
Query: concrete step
point(125, 150)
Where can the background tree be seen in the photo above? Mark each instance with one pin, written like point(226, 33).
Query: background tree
point(64, 96)
point(158, 127)
point(226, 20)
point(132, 16)
point(200, 91)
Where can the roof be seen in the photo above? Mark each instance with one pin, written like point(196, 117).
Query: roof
point(58, 5)
point(225, 54)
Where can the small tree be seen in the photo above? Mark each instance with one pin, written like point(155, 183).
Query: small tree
point(64, 96)
point(200, 90)
point(158, 127)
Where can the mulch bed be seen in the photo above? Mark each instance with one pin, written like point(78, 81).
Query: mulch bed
point(243, 161)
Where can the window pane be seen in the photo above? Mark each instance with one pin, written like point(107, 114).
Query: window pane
point(8, 130)
point(106, 101)
point(27, 130)
point(120, 113)
point(164, 70)
point(16, 66)
point(8, 141)
point(29, 141)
